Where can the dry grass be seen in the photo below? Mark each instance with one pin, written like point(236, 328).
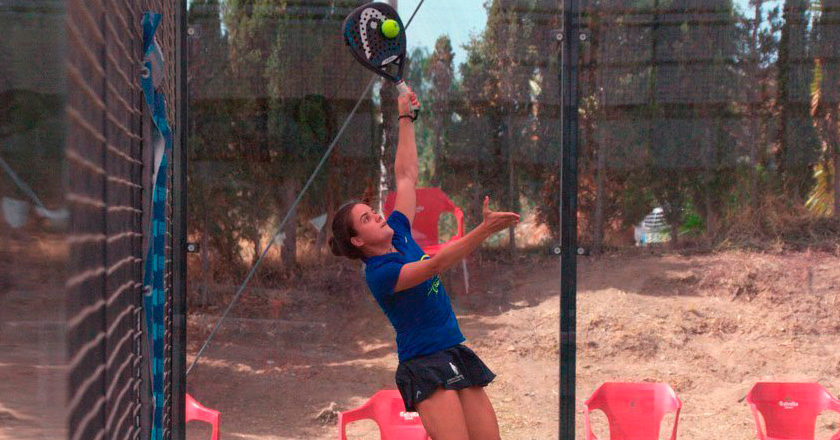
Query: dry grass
point(777, 225)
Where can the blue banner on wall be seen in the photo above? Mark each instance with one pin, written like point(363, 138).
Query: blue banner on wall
point(154, 297)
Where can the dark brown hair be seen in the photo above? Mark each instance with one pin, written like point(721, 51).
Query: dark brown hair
point(342, 230)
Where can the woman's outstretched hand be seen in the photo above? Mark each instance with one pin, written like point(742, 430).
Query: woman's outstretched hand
point(404, 103)
point(497, 221)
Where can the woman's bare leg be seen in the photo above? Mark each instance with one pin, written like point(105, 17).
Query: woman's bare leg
point(479, 414)
point(443, 416)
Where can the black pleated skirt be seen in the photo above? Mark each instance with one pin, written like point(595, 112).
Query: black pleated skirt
point(454, 368)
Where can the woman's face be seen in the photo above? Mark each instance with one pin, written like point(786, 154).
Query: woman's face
point(371, 227)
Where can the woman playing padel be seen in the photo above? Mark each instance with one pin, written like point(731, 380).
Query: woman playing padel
point(438, 376)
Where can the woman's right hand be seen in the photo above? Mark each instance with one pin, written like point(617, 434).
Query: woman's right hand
point(404, 102)
point(497, 221)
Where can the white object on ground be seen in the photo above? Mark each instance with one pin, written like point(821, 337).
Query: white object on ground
point(15, 212)
point(319, 222)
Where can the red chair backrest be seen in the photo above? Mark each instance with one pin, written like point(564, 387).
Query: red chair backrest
point(431, 203)
point(635, 410)
point(386, 408)
point(790, 410)
point(195, 411)
point(394, 423)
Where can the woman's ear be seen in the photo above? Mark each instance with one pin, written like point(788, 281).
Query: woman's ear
point(356, 241)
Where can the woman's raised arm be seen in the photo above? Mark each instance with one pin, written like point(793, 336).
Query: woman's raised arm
point(405, 165)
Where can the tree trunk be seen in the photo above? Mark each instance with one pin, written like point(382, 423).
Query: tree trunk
point(709, 161)
point(322, 234)
point(596, 90)
point(512, 192)
point(256, 237)
point(782, 101)
point(437, 150)
point(675, 234)
point(598, 236)
point(289, 250)
point(753, 137)
point(711, 218)
point(675, 201)
point(476, 209)
point(754, 140)
point(203, 289)
point(837, 182)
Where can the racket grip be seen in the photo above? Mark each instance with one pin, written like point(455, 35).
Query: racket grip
point(402, 87)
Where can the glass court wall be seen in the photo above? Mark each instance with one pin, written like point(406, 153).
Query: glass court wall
point(75, 166)
point(33, 252)
point(271, 86)
point(708, 194)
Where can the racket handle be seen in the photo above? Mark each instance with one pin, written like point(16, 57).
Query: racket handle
point(402, 87)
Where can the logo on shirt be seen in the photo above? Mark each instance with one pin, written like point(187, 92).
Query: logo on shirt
point(435, 288)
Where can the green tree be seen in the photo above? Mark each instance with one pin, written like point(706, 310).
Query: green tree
point(798, 148)
point(440, 73)
point(692, 86)
point(761, 45)
point(208, 134)
point(497, 89)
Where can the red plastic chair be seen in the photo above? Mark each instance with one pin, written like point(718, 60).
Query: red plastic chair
point(386, 408)
point(790, 410)
point(634, 410)
point(431, 203)
point(197, 412)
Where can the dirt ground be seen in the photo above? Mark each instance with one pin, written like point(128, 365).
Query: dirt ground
point(711, 325)
point(32, 335)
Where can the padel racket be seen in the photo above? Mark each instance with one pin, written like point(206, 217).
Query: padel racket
point(376, 37)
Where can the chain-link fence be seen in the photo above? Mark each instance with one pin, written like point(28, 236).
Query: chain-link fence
point(109, 184)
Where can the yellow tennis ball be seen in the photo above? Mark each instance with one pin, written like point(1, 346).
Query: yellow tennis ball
point(390, 28)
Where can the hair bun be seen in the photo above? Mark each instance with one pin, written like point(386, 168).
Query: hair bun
point(334, 247)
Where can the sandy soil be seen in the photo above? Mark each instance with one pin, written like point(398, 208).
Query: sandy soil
point(710, 325)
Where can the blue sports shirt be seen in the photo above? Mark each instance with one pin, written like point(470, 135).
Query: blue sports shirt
point(422, 315)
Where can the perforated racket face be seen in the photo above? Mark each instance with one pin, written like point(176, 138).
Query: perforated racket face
point(363, 34)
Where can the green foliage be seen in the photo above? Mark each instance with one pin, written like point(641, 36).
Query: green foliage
point(693, 224)
point(702, 117)
point(257, 127)
point(821, 200)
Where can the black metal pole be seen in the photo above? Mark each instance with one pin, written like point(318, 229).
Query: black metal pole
point(179, 228)
point(571, 33)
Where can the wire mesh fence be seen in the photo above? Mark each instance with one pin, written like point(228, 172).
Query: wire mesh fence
point(109, 181)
